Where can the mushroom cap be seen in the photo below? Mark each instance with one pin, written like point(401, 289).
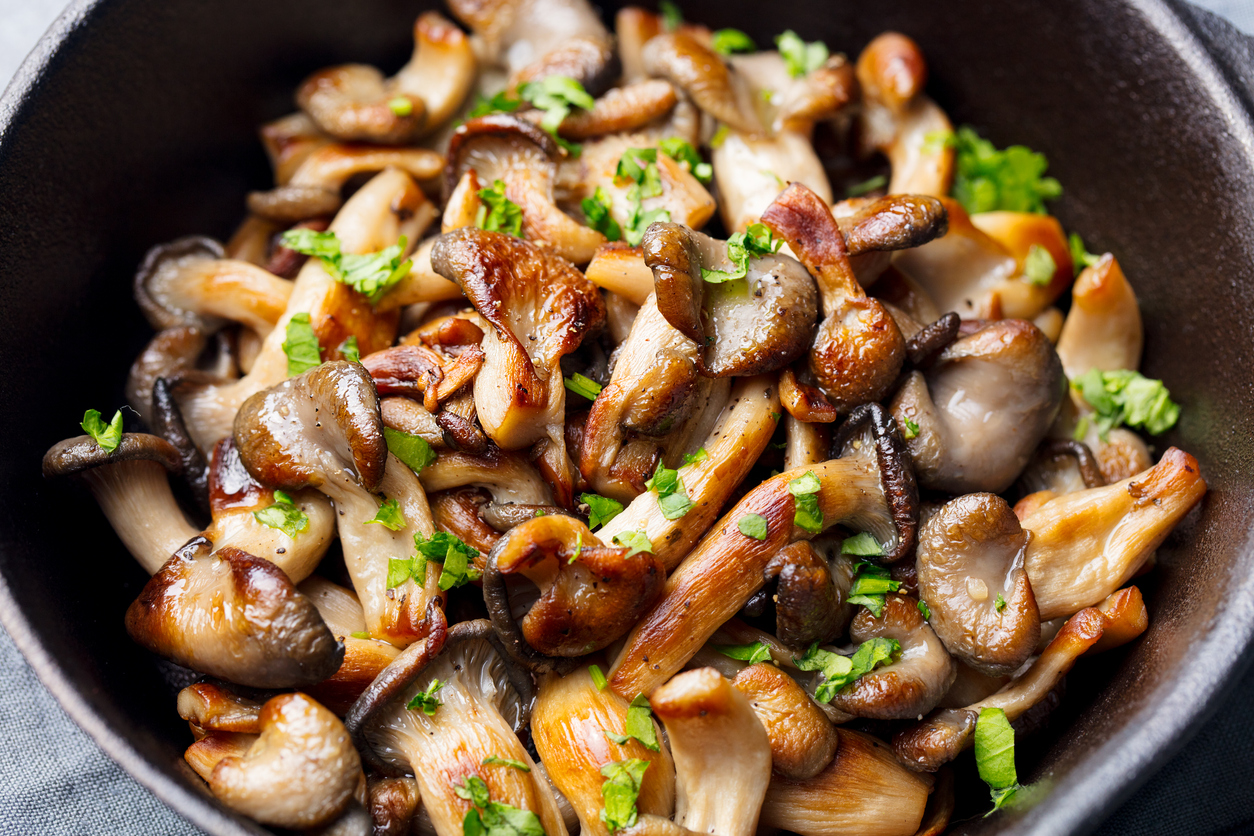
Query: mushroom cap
point(82, 453)
point(495, 144)
point(807, 604)
point(352, 102)
point(300, 773)
point(893, 222)
point(692, 66)
point(160, 266)
point(803, 740)
point(970, 557)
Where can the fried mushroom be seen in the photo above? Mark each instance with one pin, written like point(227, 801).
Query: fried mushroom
point(803, 740)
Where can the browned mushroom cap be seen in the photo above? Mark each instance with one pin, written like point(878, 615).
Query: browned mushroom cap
point(569, 726)
point(690, 65)
point(892, 70)
point(803, 740)
point(621, 109)
point(794, 104)
point(982, 408)
point(393, 805)
point(721, 751)
point(170, 353)
point(807, 604)
point(859, 350)
point(926, 345)
point(416, 371)
point(754, 326)
point(589, 60)
point(300, 773)
point(133, 489)
point(894, 222)
point(482, 702)
point(232, 615)
point(590, 594)
point(518, 32)
point(913, 684)
point(970, 563)
point(354, 102)
point(210, 707)
point(863, 790)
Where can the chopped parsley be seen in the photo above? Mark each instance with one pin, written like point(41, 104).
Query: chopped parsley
point(456, 559)
point(596, 211)
point(620, 791)
point(1126, 397)
point(301, 346)
point(426, 701)
point(757, 240)
point(107, 436)
point(879, 181)
point(584, 387)
point(693, 458)
point(639, 166)
point(283, 515)
point(389, 516)
point(871, 585)
point(1000, 603)
point(493, 760)
point(601, 509)
point(987, 179)
point(360, 634)
point(370, 274)
point(838, 671)
point(910, 431)
point(556, 95)
point(727, 41)
point(401, 106)
point(348, 349)
point(800, 57)
point(414, 451)
point(925, 609)
point(720, 136)
point(672, 15)
point(672, 498)
point(498, 213)
point(751, 653)
point(639, 725)
point(500, 103)
point(995, 756)
point(862, 545)
point(1039, 266)
point(1080, 256)
point(493, 818)
point(634, 541)
point(753, 525)
point(598, 678)
point(808, 515)
point(681, 151)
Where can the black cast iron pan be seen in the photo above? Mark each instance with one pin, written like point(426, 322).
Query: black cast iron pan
point(134, 122)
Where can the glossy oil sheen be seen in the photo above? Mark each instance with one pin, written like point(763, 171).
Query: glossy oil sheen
point(135, 123)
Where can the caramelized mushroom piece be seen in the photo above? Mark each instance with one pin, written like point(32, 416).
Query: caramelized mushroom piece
point(1020, 233)
point(970, 563)
point(517, 33)
point(364, 658)
point(747, 327)
point(172, 353)
point(208, 707)
point(803, 740)
point(621, 109)
point(620, 269)
point(1103, 328)
point(693, 67)
point(807, 603)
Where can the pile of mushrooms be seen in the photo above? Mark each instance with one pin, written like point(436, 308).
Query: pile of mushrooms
point(550, 449)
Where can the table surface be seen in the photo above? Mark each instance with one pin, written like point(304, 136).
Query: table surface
point(71, 787)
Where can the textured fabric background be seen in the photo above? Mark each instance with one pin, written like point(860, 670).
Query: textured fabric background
point(54, 781)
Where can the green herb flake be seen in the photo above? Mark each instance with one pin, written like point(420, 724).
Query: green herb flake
point(107, 436)
point(301, 346)
point(360, 634)
point(672, 15)
point(634, 541)
point(995, 755)
point(693, 458)
point(601, 509)
point(681, 151)
point(493, 818)
point(800, 57)
point(925, 609)
point(598, 678)
point(493, 760)
point(283, 515)
point(753, 525)
point(720, 136)
point(500, 103)
point(620, 791)
point(456, 559)
point(871, 585)
point(1126, 397)
point(584, 387)
point(640, 723)
point(910, 431)
point(389, 516)
point(400, 569)
point(837, 671)
point(370, 274)
point(756, 241)
point(639, 166)
point(401, 106)
point(596, 211)
point(498, 213)
point(987, 179)
point(426, 701)
point(879, 181)
point(1000, 603)
point(1039, 266)
point(1080, 256)
point(672, 499)
point(728, 41)
point(413, 450)
point(804, 490)
point(556, 95)
point(862, 545)
point(348, 349)
point(751, 653)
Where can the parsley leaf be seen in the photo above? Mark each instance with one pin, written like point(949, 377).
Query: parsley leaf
point(987, 179)
point(370, 274)
point(413, 450)
point(751, 653)
point(401, 106)
point(639, 165)
point(500, 103)
point(1080, 256)
point(871, 585)
point(1126, 397)
point(757, 240)
point(640, 723)
point(799, 56)
point(584, 387)
point(924, 609)
point(1039, 266)
point(634, 541)
point(389, 516)
point(596, 211)
point(620, 791)
point(601, 509)
point(301, 346)
point(107, 436)
point(455, 556)
point(838, 671)
point(493, 760)
point(720, 136)
point(804, 490)
point(556, 95)
point(494, 818)
point(598, 678)
point(498, 213)
point(672, 15)
point(1000, 603)
point(361, 634)
point(426, 700)
point(753, 525)
point(283, 515)
point(348, 349)
point(910, 431)
point(862, 545)
point(672, 499)
point(681, 151)
point(879, 181)
point(995, 755)
point(727, 41)
point(693, 458)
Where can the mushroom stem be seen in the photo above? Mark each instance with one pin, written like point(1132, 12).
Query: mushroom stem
point(1103, 329)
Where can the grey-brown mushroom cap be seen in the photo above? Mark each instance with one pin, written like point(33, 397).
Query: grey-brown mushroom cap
point(520, 133)
point(971, 573)
point(894, 222)
point(82, 453)
point(158, 314)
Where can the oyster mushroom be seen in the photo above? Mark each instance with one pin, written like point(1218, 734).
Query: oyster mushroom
point(289, 141)
point(1062, 466)
point(684, 61)
point(364, 658)
point(322, 429)
point(621, 109)
point(394, 803)
point(807, 443)
point(751, 172)
point(982, 408)
point(569, 725)
point(482, 702)
point(875, 228)
point(590, 594)
point(300, 772)
point(172, 353)
point(803, 740)
point(620, 269)
point(540, 308)
point(859, 350)
point(868, 489)
point(862, 790)
point(516, 33)
point(807, 603)
point(1103, 328)
point(1087, 544)
point(754, 326)
point(970, 565)
point(208, 707)
point(417, 372)
point(589, 60)
point(1020, 233)
point(721, 751)
point(508, 476)
point(442, 70)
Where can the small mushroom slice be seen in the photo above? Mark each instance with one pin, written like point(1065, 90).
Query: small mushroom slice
point(1087, 544)
point(970, 565)
point(301, 771)
point(590, 594)
point(1103, 328)
point(322, 430)
point(1020, 233)
point(875, 228)
point(1062, 466)
point(132, 487)
point(910, 686)
point(508, 476)
point(683, 60)
point(866, 490)
point(803, 740)
point(364, 658)
point(982, 408)
point(863, 790)
point(620, 269)
point(569, 725)
point(741, 327)
point(482, 703)
point(353, 102)
point(721, 752)
point(859, 350)
point(621, 109)
point(442, 69)
point(289, 141)
point(208, 707)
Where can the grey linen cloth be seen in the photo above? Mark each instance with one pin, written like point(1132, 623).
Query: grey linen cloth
point(54, 781)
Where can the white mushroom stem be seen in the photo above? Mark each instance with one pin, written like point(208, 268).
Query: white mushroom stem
point(751, 172)
point(297, 556)
point(721, 750)
point(1103, 329)
point(135, 497)
point(509, 477)
point(442, 70)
